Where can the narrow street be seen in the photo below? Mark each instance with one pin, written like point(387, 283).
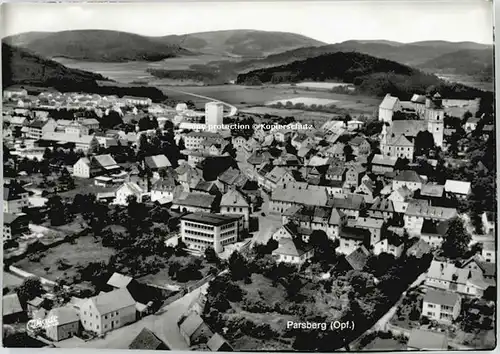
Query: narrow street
point(268, 223)
point(163, 324)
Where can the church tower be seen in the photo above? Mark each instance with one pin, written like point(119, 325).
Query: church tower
point(434, 116)
point(383, 139)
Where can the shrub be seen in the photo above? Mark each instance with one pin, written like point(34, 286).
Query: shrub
point(424, 320)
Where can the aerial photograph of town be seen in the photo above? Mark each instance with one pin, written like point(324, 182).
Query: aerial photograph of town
point(249, 176)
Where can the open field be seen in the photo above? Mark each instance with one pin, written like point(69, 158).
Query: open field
point(246, 96)
point(136, 70)
point(322, 85)
point(467, 80)
point(308, 101)
point(316, 85)
point(306, 117)
point(85, 250)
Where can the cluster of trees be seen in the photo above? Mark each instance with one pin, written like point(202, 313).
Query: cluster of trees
point(111, 120)
point(58, 211)
point(456, 240)
point(29, 289)
point(367, 299)
point(185, 269)
point(313, 107)
point(61, 156)
point(369, 74)
point(161, 143)
point(24, 68)
point(205, 76)
point(474, 322)
point(365, 340)
point(480, 169)
point(147, 123)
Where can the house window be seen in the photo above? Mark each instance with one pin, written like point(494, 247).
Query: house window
point(105, 317)
point(97, 327)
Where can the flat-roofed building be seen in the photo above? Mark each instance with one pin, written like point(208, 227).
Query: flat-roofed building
point(202, 230)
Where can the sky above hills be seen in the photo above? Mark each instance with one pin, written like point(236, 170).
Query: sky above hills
point(327, 21)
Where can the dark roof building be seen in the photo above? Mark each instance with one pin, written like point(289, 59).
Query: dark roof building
point(147, 340)
point(357, 259)
point(219, 344)
point(210, 219)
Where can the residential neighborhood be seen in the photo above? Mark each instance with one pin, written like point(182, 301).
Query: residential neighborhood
point(359, 217)
point(329, 212)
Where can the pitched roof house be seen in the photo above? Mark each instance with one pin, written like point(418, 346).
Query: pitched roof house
point(358, 258)
point(194, 330)
point(219, 344)
point(107, 311)
point(293, 251)
point(147, 340)
point(156, 162)
point(11, 308)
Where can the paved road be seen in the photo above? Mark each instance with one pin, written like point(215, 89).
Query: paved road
point(232, 109)
point(267, 224)
point(164, 325)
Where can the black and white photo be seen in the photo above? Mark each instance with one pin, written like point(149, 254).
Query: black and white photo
point(310, 176)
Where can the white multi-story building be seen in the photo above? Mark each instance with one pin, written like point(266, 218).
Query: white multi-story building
point(195, 140)
point(488, 252)
point(38, 128)
point(442, 306)
point(107, 311)
point(128, 189)
point(420, 210)
point(15, 198)
point(202, 230)
point(214, 114)
point(387, 108)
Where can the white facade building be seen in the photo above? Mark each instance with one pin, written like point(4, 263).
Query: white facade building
point(202, 230)
point(214, 114)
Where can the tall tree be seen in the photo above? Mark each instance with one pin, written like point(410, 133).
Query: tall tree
point(29, 289)
point(238, 266)
point(456, 240)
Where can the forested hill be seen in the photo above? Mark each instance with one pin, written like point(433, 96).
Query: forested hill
point(21, 67)
point(476, 63)
point(97, 45)
point(371, 75)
